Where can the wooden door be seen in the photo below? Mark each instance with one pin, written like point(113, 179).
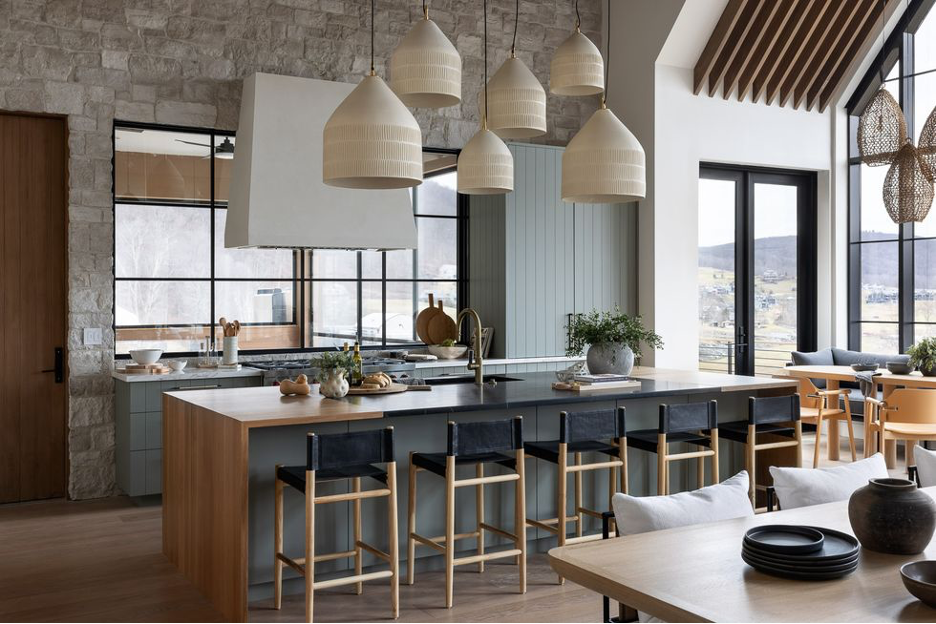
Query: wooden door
point(33, 244)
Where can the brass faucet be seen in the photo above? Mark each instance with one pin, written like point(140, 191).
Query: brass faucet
point(475, 360)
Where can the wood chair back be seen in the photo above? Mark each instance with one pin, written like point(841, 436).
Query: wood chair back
point(910, 405)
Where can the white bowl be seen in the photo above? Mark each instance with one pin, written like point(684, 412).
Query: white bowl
point(177, 365)
point(145, 356)
point(447, 353)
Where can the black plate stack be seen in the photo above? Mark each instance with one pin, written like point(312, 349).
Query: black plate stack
point(800, 552)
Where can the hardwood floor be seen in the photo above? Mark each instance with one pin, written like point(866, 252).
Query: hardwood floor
point(101, 561)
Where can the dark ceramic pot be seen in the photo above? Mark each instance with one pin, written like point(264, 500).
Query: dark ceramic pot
point(928, 372)
point(892, 516)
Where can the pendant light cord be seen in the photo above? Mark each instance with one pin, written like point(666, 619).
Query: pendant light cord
point(881, 53)
point(484, 116)
point(425, 9)
point(578, 18)
point(604, 93)
point(372, 69)
point(513, 46)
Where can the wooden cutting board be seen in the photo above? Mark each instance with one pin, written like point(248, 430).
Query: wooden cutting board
point(441, 328)
point(391, 389)
point(595, 388)
point(423, 319)
point(145, 369)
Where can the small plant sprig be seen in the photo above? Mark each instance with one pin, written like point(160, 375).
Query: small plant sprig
point(333, 361)
point(923, 354)
point(609, 327)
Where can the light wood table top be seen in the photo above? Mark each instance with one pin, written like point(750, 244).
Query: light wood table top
point(845, 373)
point(695, 574)
point(722, 381)
point(267, 407)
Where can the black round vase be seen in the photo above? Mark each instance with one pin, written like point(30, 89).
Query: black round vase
point(892, 516)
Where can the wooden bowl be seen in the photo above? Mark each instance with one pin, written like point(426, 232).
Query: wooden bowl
point(919, 577)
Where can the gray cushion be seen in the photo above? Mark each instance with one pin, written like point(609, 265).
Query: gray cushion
point(814, 358)
point(844, 357)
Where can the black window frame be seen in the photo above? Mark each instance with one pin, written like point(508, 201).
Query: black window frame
point(897, 51)
point(302, 277)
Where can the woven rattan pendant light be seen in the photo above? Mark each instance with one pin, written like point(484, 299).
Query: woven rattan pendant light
point(485, 165)
point(882, 130)
point(577, 67)
point(516, 98)
point(927, 144)
point(604, 163)
point(372, 141)
point(425, 69)
point(908, 191)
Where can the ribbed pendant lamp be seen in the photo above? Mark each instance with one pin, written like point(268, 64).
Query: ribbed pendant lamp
point(604, 163)
point(372, 141)
point(425, 69)
point(485, 165)
point(577, 67)
point(516, 98)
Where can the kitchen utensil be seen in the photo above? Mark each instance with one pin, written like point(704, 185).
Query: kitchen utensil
point(919, 577)
point(799, 575)
point(177, 365)
point(860, 367)
point(448, 353)
point(145, 356)
point(785, 539)
point(223, 324)
point(393, 388)
point(898, 368)
point(441, 327)
point(236, 327)
point(422, 320)
point(836, 547)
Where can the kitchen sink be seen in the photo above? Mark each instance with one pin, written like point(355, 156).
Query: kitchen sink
point(461, 379)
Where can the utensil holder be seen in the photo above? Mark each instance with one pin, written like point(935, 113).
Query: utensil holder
point(230, 350)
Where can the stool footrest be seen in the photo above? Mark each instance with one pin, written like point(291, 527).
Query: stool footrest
point(339, 498)
point(498, 531)
point(595, 466)
point(434, 542)
point(486, 480)
point(488, 556)
point(774, 445)
point(689, 455)
point(372, 550)
point(582, 538)
point(590, 512)
point(349, 580)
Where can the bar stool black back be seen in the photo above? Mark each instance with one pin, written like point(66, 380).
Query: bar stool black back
point(332, 457)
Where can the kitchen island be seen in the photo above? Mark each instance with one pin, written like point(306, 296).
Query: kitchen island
point(221, 449)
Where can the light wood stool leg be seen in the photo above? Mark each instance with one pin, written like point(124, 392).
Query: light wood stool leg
point(561, 498)
point(309, 542)
point(479, 513)
point(449, 530)
point(394, 537)
point(851, 438)
point(520, 520)
point(798, 434)
point(750, 463)
point(815, 461)
point(622, 454)
point(278, 543)
point(411, 525)
point(578, 497)
point(358, 552)
point(661, 464)
point(700, 472)
point(833, 432)
point(714, 434)
point(908, 445)
point(612, 478)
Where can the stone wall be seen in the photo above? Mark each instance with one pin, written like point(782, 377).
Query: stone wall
point(181, 62)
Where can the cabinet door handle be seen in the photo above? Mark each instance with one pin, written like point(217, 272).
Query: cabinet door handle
point(207, 387)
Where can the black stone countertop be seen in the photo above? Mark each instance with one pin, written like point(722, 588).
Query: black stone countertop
point(536, 389)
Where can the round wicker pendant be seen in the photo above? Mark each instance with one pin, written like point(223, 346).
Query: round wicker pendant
point(927, 145)
point(908, 192)
point(604, 163)
point(517, 102)
point(485, 165)
point(372, 141)
point(577, 67)
point(425, 69)
point(882, 130)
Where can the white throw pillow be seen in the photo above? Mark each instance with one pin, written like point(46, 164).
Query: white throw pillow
point(802, 487)
point(926, 466)
point(640, 514)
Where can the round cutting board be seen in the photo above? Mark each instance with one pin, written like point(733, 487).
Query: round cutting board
point(391, 389)
point(441, 327)
point(423, 319)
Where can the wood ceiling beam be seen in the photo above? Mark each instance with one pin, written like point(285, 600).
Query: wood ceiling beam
point(854, 55)
point(751, 42)
point(732, 43)
point(716, 42)
point(797, 46)
point(843, 23)
point(773, 64)
point(814, 43)
point(767, 45)
point(856, 30)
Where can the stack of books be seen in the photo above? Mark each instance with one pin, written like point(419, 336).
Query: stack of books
point(607, 380)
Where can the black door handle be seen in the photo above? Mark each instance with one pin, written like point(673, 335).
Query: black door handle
point(59, 369)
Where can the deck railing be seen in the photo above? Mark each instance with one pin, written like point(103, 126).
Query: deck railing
point(720, 358)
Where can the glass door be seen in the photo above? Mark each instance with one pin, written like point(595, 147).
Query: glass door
point(757, 264)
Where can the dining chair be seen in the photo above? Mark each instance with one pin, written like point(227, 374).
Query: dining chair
point(818, 406)
point(907, 414)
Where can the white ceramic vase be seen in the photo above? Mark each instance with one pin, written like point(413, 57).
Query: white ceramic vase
point(612, 357)
point(334, 386)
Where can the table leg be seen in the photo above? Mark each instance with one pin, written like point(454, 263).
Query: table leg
point(833, 438)
point(890, 446)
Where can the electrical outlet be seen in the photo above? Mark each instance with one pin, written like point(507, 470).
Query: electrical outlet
point(93, 336)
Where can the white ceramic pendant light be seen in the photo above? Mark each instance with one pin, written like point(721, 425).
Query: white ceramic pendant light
point(577, 67)
point(426, 69)
point(516, 99)
point(604, 163)
point(372, 141)
point(485, 165)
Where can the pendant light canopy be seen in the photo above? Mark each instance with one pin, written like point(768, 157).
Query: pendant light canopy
point(516, 98)
point(604, 163)
point(577, 67)
point(372, 141)
point(425, 69)
point(485, 165)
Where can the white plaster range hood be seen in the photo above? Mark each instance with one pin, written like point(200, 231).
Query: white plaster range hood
point(277, 197)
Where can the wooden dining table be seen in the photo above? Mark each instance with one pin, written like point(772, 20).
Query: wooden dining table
point(888, 382)
point(695, 574)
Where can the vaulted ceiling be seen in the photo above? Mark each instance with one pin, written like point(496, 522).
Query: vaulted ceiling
point(797, 53)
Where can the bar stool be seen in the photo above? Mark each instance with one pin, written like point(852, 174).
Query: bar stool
point(777, 416)
point(581, 432)
point(685, 423)
point(475, 444)
point(333, 457)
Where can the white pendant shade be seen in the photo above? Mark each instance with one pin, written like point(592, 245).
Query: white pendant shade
point(485, 165)
point(372, 141)
point(604, 163)
point(577, 67)
point(425, 69)
point(517, 102)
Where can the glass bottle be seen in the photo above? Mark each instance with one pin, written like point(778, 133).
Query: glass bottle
point(357, 374)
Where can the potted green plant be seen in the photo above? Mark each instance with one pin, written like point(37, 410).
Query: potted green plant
point(333, 368)
point(613, 339)
point(923, 356)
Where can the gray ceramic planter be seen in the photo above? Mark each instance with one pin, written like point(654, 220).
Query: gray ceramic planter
point(612, 357)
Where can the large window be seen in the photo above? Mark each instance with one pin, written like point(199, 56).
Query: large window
point(174, 279)
point(892, 269)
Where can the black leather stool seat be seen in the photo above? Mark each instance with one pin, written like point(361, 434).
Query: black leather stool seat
point(738, 430)
point(296, 475)
point(549, 450)
point(647, 439)
point(435, 462)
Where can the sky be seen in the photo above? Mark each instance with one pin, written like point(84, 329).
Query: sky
point(774, 211)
